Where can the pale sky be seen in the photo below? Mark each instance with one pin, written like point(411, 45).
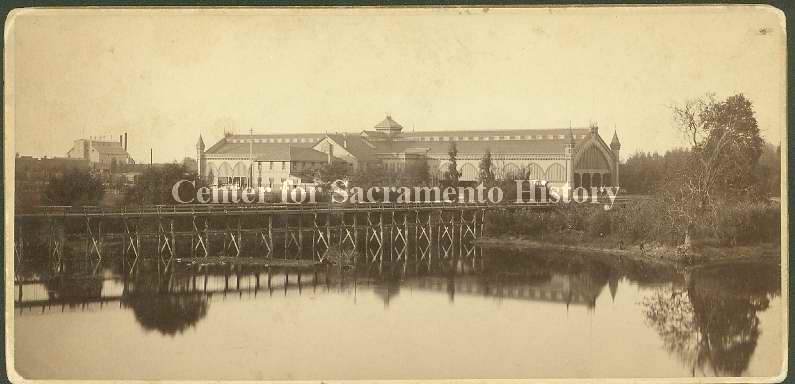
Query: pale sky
point(166, 76)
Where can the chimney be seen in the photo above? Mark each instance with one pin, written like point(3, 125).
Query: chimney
point(125, 141)
point(345, 140)
point(330, 153)
point(121, 140)
point(594, 128)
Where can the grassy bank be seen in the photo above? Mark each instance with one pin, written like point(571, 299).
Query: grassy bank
point(644, 229)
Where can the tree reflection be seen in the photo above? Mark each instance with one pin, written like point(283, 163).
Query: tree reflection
point(164, 304)
point(74, 288)
point(710, 320)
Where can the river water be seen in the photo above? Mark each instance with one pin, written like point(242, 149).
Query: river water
point(499, 314)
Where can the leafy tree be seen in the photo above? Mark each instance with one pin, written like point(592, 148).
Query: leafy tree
point(75, 187)
point(190, 164)
point(725, 143)
point(767, 172)
point(155, 184)
point(647, 173)
point(725, 148)
point(373, 174)
point(418, 172)
point(486, 174)
point(451, 175)
point(337, 170)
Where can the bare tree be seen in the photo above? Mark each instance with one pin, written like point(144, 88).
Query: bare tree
point(725, 146)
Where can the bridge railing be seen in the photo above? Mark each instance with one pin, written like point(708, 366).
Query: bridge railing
point(188, 209)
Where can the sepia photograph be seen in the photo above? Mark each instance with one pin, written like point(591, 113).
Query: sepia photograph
point(425, 194)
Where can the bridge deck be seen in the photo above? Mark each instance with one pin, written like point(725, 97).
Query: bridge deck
point(245, 261)
point(259, 209)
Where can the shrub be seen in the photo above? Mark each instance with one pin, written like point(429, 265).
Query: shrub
point(74, 187)
point(747, 222)
point(599, 223)
point(644, 221)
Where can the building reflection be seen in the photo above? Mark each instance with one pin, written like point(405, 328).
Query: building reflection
point(709, 318)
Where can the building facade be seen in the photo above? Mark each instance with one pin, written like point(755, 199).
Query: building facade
point(570, 156)
point(259, 160)
point(102, 154)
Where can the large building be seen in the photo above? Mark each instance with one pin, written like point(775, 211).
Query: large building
point(572, 156)
point(102, 154)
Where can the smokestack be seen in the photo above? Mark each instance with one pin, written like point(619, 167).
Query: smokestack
point(345, 140)
point(150, 157)
point(121, 140)
point(125, 141)
point(330, 153)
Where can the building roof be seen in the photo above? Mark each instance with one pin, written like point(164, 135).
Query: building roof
point(108, 147)
point(263, 143)
point(282, 152)
point(50, 162)
point(388, 125)
point(615, 144)
point(499, 141)
point(370, 143)
point(354, 144)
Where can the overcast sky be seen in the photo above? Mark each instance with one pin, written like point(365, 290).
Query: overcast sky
point(167, 76)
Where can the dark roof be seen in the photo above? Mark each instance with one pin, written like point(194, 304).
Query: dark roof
point(307, 154)
point(282, 152)
point(541, 141)
point(356, 145)
point(388, 125)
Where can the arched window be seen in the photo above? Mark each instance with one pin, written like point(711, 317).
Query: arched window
point(468, 172)
point(224, 173)
point(556, 172)
point(535, 172)
point(240, 169)
point(443, 168)
point(606, 180)
point(577, 180)
point(512, 171)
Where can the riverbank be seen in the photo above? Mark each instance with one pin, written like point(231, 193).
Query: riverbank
point(650, 255)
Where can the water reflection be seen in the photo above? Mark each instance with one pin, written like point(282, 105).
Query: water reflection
point(164, 303)
point(709, 318)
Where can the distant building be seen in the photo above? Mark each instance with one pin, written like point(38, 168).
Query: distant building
point(259, 160)
point(571, 156)
point(102, 154)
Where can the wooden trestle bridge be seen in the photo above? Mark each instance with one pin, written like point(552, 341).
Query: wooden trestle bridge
point(278, 235)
